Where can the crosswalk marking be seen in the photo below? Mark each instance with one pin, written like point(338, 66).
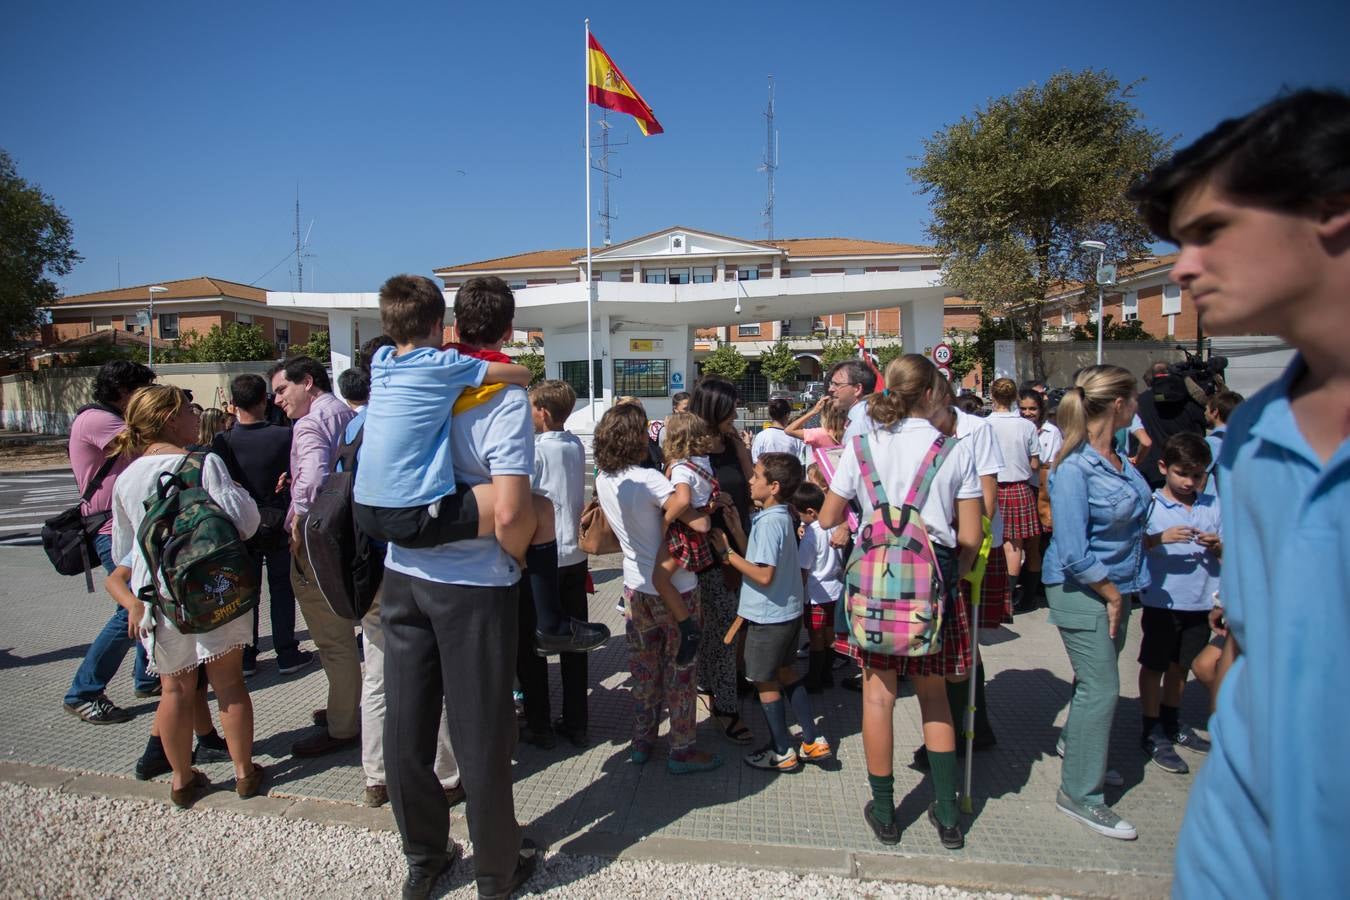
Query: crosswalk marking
point(26, 501)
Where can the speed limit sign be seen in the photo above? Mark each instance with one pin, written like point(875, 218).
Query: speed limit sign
point(946, 372)
point(942, 354)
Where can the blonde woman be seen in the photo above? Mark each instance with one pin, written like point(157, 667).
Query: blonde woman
point(160, 424)
point(1095, 560)
point(213, 422)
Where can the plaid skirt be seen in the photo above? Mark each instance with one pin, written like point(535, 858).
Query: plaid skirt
point(1018, 506)
point(820, 615)
point(995, 599)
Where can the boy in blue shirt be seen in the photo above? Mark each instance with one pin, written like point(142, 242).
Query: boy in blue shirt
point(771, 605)
point(1183, 544)
point(405, 492)
point(1217, 412)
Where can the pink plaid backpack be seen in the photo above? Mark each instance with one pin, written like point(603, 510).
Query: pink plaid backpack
point(894, 589)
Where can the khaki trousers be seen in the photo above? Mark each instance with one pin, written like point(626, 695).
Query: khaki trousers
point(336, 639)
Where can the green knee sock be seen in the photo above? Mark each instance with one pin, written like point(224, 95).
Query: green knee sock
point(943, 769)
point(883, 797)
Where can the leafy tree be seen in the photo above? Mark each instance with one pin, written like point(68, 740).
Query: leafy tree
point(726, 361)
point(779, 364)
point(535, 363)
point(837, 349)
point(35, 244)
point(1015, 187)
point(991, 329)
point(1132, 330)
point(965, 354)
point(232, 342)
point(317, 347)
point(886, 354)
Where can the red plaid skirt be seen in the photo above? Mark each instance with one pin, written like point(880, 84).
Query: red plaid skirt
point(820, 616)
point(1018, 506)
point(952, 659)
point(691, 549)
point(995, 600)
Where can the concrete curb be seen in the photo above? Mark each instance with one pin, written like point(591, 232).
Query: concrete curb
point(48, 470)
point(967, 875)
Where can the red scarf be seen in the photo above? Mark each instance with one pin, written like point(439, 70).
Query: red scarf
point(485, 354)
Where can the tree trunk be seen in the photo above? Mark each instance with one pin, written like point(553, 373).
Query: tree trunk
point(1034, 335)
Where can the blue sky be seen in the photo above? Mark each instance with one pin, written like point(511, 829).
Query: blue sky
point(425, 134)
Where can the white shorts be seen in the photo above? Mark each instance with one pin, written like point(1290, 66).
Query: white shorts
point(169, 652)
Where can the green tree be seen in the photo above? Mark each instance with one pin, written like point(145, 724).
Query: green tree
point(1132, 330)
point(726, 361)
point(965, 354)
point(887, 354)
point(779, 364)
point(990, 330)
point(837, 349)
point(535, 363)
point(35, 244)
point(317, 347)
point(232, 342)
point(1015, 188)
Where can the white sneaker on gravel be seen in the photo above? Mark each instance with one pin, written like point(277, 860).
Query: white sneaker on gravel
point(1100, 818)
point(1112, 778)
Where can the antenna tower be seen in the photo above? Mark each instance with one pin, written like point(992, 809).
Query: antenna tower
point(770, 164)
point(601, 165)
point(301, 244)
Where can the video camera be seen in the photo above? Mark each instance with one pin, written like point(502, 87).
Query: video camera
point(1194, 379)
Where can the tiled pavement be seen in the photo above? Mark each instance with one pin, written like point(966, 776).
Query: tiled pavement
point(46, 622)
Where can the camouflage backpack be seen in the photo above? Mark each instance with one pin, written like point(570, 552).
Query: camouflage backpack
point(202, 575)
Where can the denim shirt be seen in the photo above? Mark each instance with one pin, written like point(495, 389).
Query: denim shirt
point(1099, 516)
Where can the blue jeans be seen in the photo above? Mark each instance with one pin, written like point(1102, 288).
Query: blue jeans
point(108, 650)
point(282, 603)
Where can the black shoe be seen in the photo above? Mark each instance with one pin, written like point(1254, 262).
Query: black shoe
point(581, 637)
point(290, 663)
point(210, 748)
point(887, 834)
point(950, 835)
point(526, 863)
point(250, 662)
point(421, 879)
point(152, 765)
point(98, 711)
point(538, 737)
point(576, 736)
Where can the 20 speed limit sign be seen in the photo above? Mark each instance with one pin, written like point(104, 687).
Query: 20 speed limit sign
point(942, 354)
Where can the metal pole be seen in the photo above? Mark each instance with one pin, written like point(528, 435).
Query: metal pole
point(590, 283)
point(150, 334)
point(1101, 322)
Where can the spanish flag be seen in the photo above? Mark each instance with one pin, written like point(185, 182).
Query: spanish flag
point(608, 88)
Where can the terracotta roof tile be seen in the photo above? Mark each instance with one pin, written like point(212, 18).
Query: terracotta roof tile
point(183, 288)
point(536, 259)
point(846, 247)
point(1124, 272)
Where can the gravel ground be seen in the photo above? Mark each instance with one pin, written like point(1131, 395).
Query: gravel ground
point(66, 845)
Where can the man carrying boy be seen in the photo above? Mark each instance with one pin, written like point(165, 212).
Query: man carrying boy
point(1183, 545)
point(1260, 208)
point(771, 605)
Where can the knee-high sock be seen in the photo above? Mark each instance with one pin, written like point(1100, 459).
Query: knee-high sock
point(541, 561)
point(775, 714)
point(883, 797)
point(801, 708)
point(943, 769)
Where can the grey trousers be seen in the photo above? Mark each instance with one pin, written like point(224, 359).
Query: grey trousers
point(452, 647)
point(1080, 615)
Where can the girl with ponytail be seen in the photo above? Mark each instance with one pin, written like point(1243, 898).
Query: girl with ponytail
point(1095, 559)
point(900, 440)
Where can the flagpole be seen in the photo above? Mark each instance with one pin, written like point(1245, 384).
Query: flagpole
point(590, 283)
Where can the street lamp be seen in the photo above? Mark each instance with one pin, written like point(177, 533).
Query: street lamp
point(150, 326)
point(1101, 261)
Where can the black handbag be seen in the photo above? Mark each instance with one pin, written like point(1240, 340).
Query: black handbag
point(69, 536)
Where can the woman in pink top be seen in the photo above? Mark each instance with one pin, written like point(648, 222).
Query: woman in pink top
point(833, 421)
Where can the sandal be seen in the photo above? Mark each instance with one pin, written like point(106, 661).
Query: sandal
point(733, 727)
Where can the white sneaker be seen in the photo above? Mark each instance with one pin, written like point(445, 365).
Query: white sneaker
point(1101, 819)
point(1112, 778)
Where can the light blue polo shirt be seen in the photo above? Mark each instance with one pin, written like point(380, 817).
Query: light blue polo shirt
point(1269, 813)
point(1182, 576)
point(773, 542)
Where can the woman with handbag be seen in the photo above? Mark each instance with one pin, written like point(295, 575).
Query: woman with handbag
point(1095, 559)
point(714, 401)
point(160, 423)
point(906, 448)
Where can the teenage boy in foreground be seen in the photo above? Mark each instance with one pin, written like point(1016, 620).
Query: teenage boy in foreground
point(1260, 208)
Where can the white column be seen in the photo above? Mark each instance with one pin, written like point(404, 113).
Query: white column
point(721, 269)
point(340, 342)
point(920, 325)
point(604, 349)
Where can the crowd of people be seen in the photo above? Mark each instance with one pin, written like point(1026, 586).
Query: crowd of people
point(1093, 500)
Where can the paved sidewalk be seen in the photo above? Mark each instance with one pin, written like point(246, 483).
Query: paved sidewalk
point(594, 802)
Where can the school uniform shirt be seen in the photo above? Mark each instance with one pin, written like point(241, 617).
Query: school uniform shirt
point(493, 438)
point(1267, 815)
point(773, 542)
point(898, 450)
point(1051, 440)
point(632, 500)
point(773, 439)
point(687, 472)
point(859, 422)
point(1184, 576)
point(1215, 441)
point(560, 475)
point(977, 431)
point(1018, 441)
point(824, 565)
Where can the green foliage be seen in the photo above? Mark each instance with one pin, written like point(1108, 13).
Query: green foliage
point(726, 361)
point(232, 342)
point(1018, 184)
point(1132, 330)
point(779, 364)
point(535, 363)
point(837, 349)
point(886, 354)
point(35, 244)
point(991, 329)
point(317, 347)
point(965, 354)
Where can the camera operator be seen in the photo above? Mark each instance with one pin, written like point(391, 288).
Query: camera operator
point(1169, 407)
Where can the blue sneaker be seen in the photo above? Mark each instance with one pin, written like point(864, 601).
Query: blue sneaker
point(1187, 737)
point(692, 766)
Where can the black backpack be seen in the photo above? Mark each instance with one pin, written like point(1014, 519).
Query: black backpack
point(345, 564)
